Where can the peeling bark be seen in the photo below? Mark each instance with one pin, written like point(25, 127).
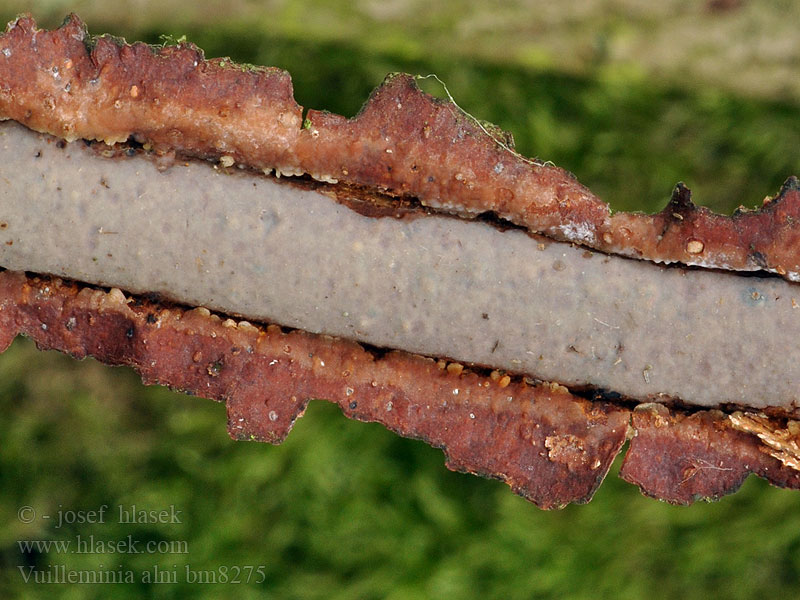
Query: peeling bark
point(549, 444)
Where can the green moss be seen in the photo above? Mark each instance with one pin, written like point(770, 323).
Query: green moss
point(167, 39)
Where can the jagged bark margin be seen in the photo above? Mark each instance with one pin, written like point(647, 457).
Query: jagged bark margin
point(550, 446)
point(403, 141)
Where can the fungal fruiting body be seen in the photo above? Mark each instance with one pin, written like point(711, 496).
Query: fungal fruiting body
point(345, 261)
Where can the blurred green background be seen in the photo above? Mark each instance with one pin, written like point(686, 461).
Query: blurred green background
point(630, 96)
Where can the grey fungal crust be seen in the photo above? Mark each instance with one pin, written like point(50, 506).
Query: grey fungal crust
point(441, 286)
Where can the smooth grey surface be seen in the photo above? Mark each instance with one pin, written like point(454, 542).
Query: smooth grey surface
point(248, 245)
